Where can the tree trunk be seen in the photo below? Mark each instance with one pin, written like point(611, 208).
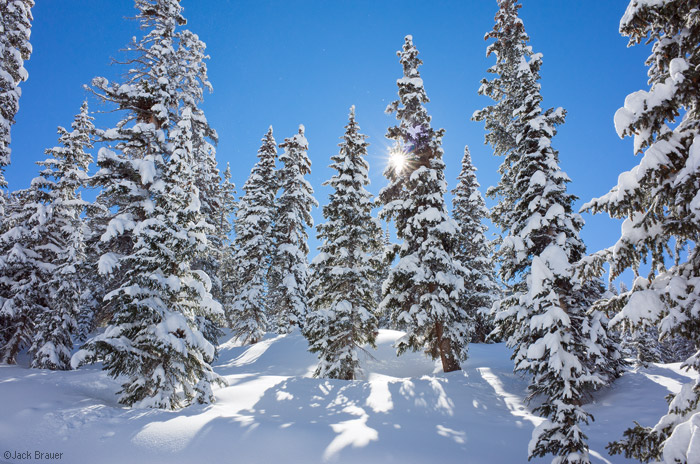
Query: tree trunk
point(449, 363)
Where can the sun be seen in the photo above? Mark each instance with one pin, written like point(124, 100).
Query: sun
point(398, 158)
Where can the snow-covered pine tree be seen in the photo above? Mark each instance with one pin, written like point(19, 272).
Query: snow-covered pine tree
point(218, 200)
point(641, 344)
point(23, 271)
point(423, 289)
point(604, 354)
point(64, 230)
point(154, 338)
point(658, 201)
point(160, 311)
point(474, 251)
point(342, 286)
point(192, 82)
point(543, 315)
point(254, 245)
point(15, 29)
point(223, 228)
point(212, 193)
point(148, 101)
point(289, 269)
point(388, 253)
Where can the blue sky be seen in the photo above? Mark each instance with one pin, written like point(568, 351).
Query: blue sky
point(285, 63)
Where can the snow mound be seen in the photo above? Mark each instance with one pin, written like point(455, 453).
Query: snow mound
point(404, 410)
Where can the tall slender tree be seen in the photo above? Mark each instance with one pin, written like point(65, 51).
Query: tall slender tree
point(289, 269)
point(217, 201)
point(543, 315)
point(342, 287)
point(658, 201)
point(162, 316)
point(15, 29)
point(474, 251)
point(422, 291)
point(254, 245)
point(225, 255)
point(215, 198)
point(63, 175)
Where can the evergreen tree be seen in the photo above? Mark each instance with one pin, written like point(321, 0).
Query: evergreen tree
point(604, 355)
point(254, 245)
point(23, 271)
point(149, 99)
point(64, 173)
point(657, 201)
point(226, 270)
point(543, 316)
point(423, 289)
point(289, 269)
point(162, 319)
point(154, 339)
point(387, 254)
point(641, 343)
point(215, 198)
point(342, 274)
point(15, 29)
point(474, 251)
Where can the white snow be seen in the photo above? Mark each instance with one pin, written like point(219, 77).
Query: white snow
point(146, 168)
point(404, 411)
point(107, 263)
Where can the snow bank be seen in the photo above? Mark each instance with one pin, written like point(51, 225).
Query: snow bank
point(404, 411)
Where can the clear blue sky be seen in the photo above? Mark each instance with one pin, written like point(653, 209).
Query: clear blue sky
point(283, 63)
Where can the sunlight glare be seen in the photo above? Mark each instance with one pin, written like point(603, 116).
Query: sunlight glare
point(398, 159)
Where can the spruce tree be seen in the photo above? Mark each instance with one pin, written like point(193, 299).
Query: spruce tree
point(162, 318)
point(387, 255)
point(15, 29)
point(543, 316)
point(148, 102)
point(254, 245)
point(217, 198)
point(287, 283)
point(657, 200)
point(63, 175)
point(225, 255)
point(641, 343)
point(474, 251)
point(23, 271)
point(423, 289)
point(192, 80)
point(154, 338)
point(342, 287)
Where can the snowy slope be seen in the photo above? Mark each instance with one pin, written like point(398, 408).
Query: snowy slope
point(405, 411)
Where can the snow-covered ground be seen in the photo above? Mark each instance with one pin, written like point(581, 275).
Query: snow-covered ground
point(405, 411)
